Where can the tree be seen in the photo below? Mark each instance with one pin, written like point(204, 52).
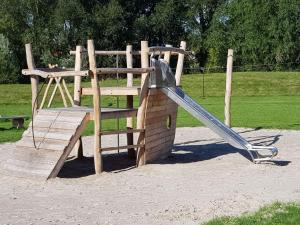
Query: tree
point(260, 32)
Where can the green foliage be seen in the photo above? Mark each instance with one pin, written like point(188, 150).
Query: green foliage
point(8, 62)
point(261, 32)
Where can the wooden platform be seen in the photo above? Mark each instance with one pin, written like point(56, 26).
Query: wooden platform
point(55, 133)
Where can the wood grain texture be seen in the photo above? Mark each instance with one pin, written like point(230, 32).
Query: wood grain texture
point(52, 144)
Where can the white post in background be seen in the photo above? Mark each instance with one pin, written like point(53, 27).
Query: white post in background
point(228, 88)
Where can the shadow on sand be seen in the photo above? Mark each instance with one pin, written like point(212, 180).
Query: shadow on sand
point(183, 152)
point(115, 163)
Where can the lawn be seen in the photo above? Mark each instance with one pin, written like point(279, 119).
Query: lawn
point(276, 214)
point(260, 99)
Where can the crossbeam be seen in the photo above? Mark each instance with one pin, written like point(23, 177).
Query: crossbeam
point(48, 73)
point(124, 70)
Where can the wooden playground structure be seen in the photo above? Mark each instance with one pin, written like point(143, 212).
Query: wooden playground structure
point(55, 132)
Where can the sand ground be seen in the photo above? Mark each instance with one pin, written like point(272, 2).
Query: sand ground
point(203, 178)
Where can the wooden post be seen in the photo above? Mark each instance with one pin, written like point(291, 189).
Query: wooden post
point(34, 79)
point(167, 55)
point(77, 94)
point(228, 88)
point(131, 151)
point(77, 79)
point(143, 101)
point(180, 62)
point(97, 110)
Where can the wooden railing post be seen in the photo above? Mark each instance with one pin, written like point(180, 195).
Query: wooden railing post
point(34, 79)
point(167, 55)
point(143, 101)
point(77, 94)
point(228, 88)
point(97, 109)
point(131, 151)
point(77, 79)
point(180, 61)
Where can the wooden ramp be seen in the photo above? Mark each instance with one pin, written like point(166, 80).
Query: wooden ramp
point(55, 134)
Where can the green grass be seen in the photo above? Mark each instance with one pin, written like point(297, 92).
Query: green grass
point(276, 214)
point(260, 99)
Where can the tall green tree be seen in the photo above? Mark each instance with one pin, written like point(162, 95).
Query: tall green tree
point(260, 32)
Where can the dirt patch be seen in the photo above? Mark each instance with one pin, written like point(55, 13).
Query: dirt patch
point(203, 178)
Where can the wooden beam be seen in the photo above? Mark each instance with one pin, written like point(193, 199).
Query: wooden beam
point(228, 88)
point(143, 102)
point(34, 79)
point(129, 120)
point(124, 70)
point(46, 93)
point(129, 91)
point(159, 49)
point(47, 73)
point(97, 111)
point(77, 79)
point(77, 94)
point(67, 92)
point(61, 91)
point(109, 53)
point(180, 61)
point(167, 55)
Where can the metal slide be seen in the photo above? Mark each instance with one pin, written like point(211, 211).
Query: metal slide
point(257, 153)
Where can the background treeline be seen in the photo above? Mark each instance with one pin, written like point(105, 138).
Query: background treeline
point(261, 32)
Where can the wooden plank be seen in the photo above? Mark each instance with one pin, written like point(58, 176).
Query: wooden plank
point(164, 134)
point(113, 91)
point(25, 169)
point(49, 133)
point(156, 131)
point(39, 155)
point(159, 141)
point(41, 143)
point(156, 109)
point(70, 147)
point(124, 70)
point(157, 156)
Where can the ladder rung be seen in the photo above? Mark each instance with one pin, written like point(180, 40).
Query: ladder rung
point(120, 147)
point(122, 131)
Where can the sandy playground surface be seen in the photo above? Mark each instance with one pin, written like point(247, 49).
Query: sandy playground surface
point(203, 178)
